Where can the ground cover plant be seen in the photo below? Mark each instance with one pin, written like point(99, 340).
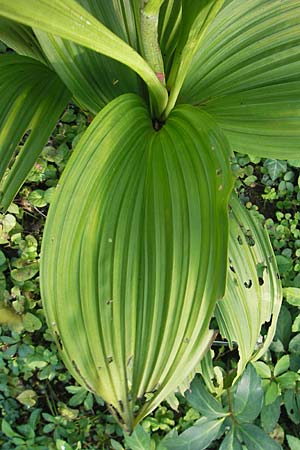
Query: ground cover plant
point(133, 254)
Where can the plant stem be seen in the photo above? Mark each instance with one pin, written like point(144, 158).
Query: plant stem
point(149, 31)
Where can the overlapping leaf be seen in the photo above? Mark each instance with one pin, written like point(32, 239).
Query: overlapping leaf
point(246, 74)
point(253, 292)
point(70, 21)
point(134, 257)
point(32, 98)
point(20, 38)
point(95, 79)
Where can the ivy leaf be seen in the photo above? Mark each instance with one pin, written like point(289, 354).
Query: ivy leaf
point(275, 168)
point(27, 397)
point(248, 397)
point(31, 322)
point(202, 401)
point(25, 273)
point(256, 439)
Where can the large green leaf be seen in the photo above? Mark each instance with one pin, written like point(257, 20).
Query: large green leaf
point(134, 257)
point(69, 20)
point(94, 79)
point(253, 292)
point(20, 38)
point(246, 74)
point(32, 98)
point(256, 439)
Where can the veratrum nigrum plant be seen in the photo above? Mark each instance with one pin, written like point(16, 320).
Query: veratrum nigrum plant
point(144, 227)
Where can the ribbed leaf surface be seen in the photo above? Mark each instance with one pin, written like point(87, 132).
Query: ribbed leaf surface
point(253, 292)
point(246, 74)
point(135, 250)
point(70, 21)
point(32, 98)
point(20, 38)
point(95, 79)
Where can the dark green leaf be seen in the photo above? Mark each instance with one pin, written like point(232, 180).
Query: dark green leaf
point(294, 346)
point(198, 437)
point(292, 405)
point(248, 396)
point(256, 439)
point(231, 442)
point(269, 415)
point(203, 401)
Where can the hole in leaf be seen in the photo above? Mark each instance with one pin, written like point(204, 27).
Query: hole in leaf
point(248, 284)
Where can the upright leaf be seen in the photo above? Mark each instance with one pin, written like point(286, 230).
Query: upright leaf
point(95, 79)
point(231, 442)
point(133, 238)
point(248, 397)
point(69, 20)
point(246, 74)
point(253, 291)
point(32, 98)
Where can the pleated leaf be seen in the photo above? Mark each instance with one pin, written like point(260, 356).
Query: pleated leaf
point(69, 20)
point(246, 74)
point(134, 253)
point(20, 38)
point(32, 98)
point(253, 292)
point(95, 79)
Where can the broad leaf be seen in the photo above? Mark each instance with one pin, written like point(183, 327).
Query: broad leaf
point(95, 79)
point(246, 74)
point(253, 291)
point(20, 38)
point(256, 439)
point(248, 397)
point(197, 437)
point(293, 442)
point(133, 239)
point(32, 99)
point(204, 402)
point(69, 20)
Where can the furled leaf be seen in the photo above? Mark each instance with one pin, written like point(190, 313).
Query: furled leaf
point(256, 439)
point(202, 401)
point(32, 98)
point(252, 296)
point(133, 238)
point(197, 437)
point(248, 396)
point(69, 20)
point(246, 74)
